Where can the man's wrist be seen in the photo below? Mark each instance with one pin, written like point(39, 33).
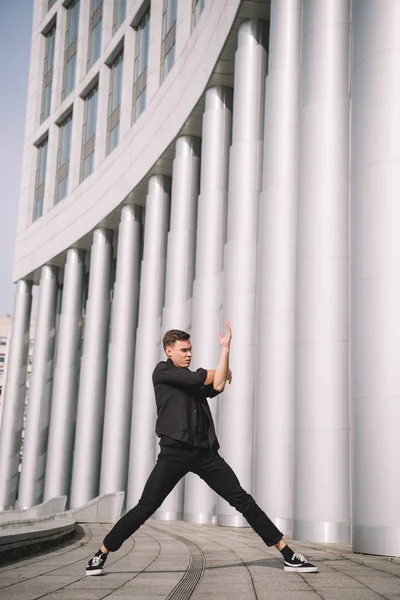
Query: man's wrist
point(225, 349)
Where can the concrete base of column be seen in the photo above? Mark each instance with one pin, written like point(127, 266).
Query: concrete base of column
point(324, 532)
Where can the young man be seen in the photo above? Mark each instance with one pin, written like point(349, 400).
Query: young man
point(188, 442)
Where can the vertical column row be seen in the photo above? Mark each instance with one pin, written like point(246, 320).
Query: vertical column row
point(322, 494)
point(33, 466)
point(245, 168)
point(181, 266)
point(117, 414)
point(90, 416)
point(64, 400)
point(207, 287)
point(152, 290)
point(275, 390)
point(14, 396)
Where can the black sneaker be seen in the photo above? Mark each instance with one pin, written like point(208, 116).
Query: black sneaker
point(96, 563)
point(298, 564)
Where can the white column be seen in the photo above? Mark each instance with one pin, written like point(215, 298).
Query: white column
point(14, 396)
point(274, 400)
point(148, 337)
point(92, 384)
point(66, 377)
point(200, 500)
point(118, 407)
point(245, 168)
point(180, 267)
point(33, 467)
point(322, 495)
point(375, 278)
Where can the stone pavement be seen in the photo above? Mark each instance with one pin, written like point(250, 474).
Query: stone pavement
point(178, 560)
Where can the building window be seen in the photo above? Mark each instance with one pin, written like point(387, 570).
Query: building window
point(197, 9)
point(3, 341)
point(169, 35)
point(89, 133)
point(141, 62)
point(48, 74)
point(114, 103)
point(63, 154)
point(50, 4)
point(119, 14)
point(71, 45)
point(40, 179)
point(2, 359)
point(95, 29)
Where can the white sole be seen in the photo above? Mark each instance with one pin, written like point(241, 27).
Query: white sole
point(301, 569)
point(97, 572)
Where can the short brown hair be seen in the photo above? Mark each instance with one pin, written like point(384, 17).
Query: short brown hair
point(175, 335)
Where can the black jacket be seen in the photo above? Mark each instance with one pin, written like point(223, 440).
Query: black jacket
point(179, 392)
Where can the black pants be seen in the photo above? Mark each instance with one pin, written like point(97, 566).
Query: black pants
point(172, 464)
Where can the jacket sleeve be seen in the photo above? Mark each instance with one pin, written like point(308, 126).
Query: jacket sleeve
point(183, 378)
point(210, 391)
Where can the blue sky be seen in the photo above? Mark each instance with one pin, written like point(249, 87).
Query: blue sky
point(15, 38)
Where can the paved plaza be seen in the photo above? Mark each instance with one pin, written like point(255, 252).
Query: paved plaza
point(178, 560)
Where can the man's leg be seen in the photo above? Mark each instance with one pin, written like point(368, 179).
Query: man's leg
point(171, 466)
point(169, 469)
point(216, 472)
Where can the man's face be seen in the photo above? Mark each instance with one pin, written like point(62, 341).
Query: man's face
point(180, 353)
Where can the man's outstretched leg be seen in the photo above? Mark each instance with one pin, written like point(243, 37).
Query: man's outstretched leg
point(213, 469)
point(169, 469)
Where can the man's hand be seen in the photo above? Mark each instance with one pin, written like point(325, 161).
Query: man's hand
point(226, 340)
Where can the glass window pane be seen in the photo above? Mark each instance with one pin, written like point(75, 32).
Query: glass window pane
point(42, 160)
point(62, 190)
point(96, 41)
point(169, 60)
point(96, 4)
point(116, 84)
point(141, 103)
point(120, 12)
point(70, 75)
point(114, 135)
point(50, 50)
point(91, 116)
point(73, 23)
point(172, 7)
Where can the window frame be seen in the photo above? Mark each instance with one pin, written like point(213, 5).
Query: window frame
point(114, 112)
point(62, 171)
point(71, 48)
point(168, 38)
point(96, 17)
point(88, 144)
point(140, 79)
point(50, 37)
point(40, 187)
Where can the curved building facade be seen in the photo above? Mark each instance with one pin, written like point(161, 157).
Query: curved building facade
point(188, 161)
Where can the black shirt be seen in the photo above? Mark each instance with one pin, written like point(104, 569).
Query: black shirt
point(183, 413)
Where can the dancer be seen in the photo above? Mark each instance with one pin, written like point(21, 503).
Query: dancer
point(188, 443)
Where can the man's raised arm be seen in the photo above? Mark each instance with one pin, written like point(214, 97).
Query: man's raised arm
point(222, 372)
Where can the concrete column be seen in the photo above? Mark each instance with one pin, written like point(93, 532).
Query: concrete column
point(148, 337)
point(66, 378)
point(118, 408)
point(375, 278)
point(34, 455)
point(14, 396)
point(92, 384)
point(180, 267)
point(274, 400)
point(245, 168)
point(322, 495)
point(207, 289)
